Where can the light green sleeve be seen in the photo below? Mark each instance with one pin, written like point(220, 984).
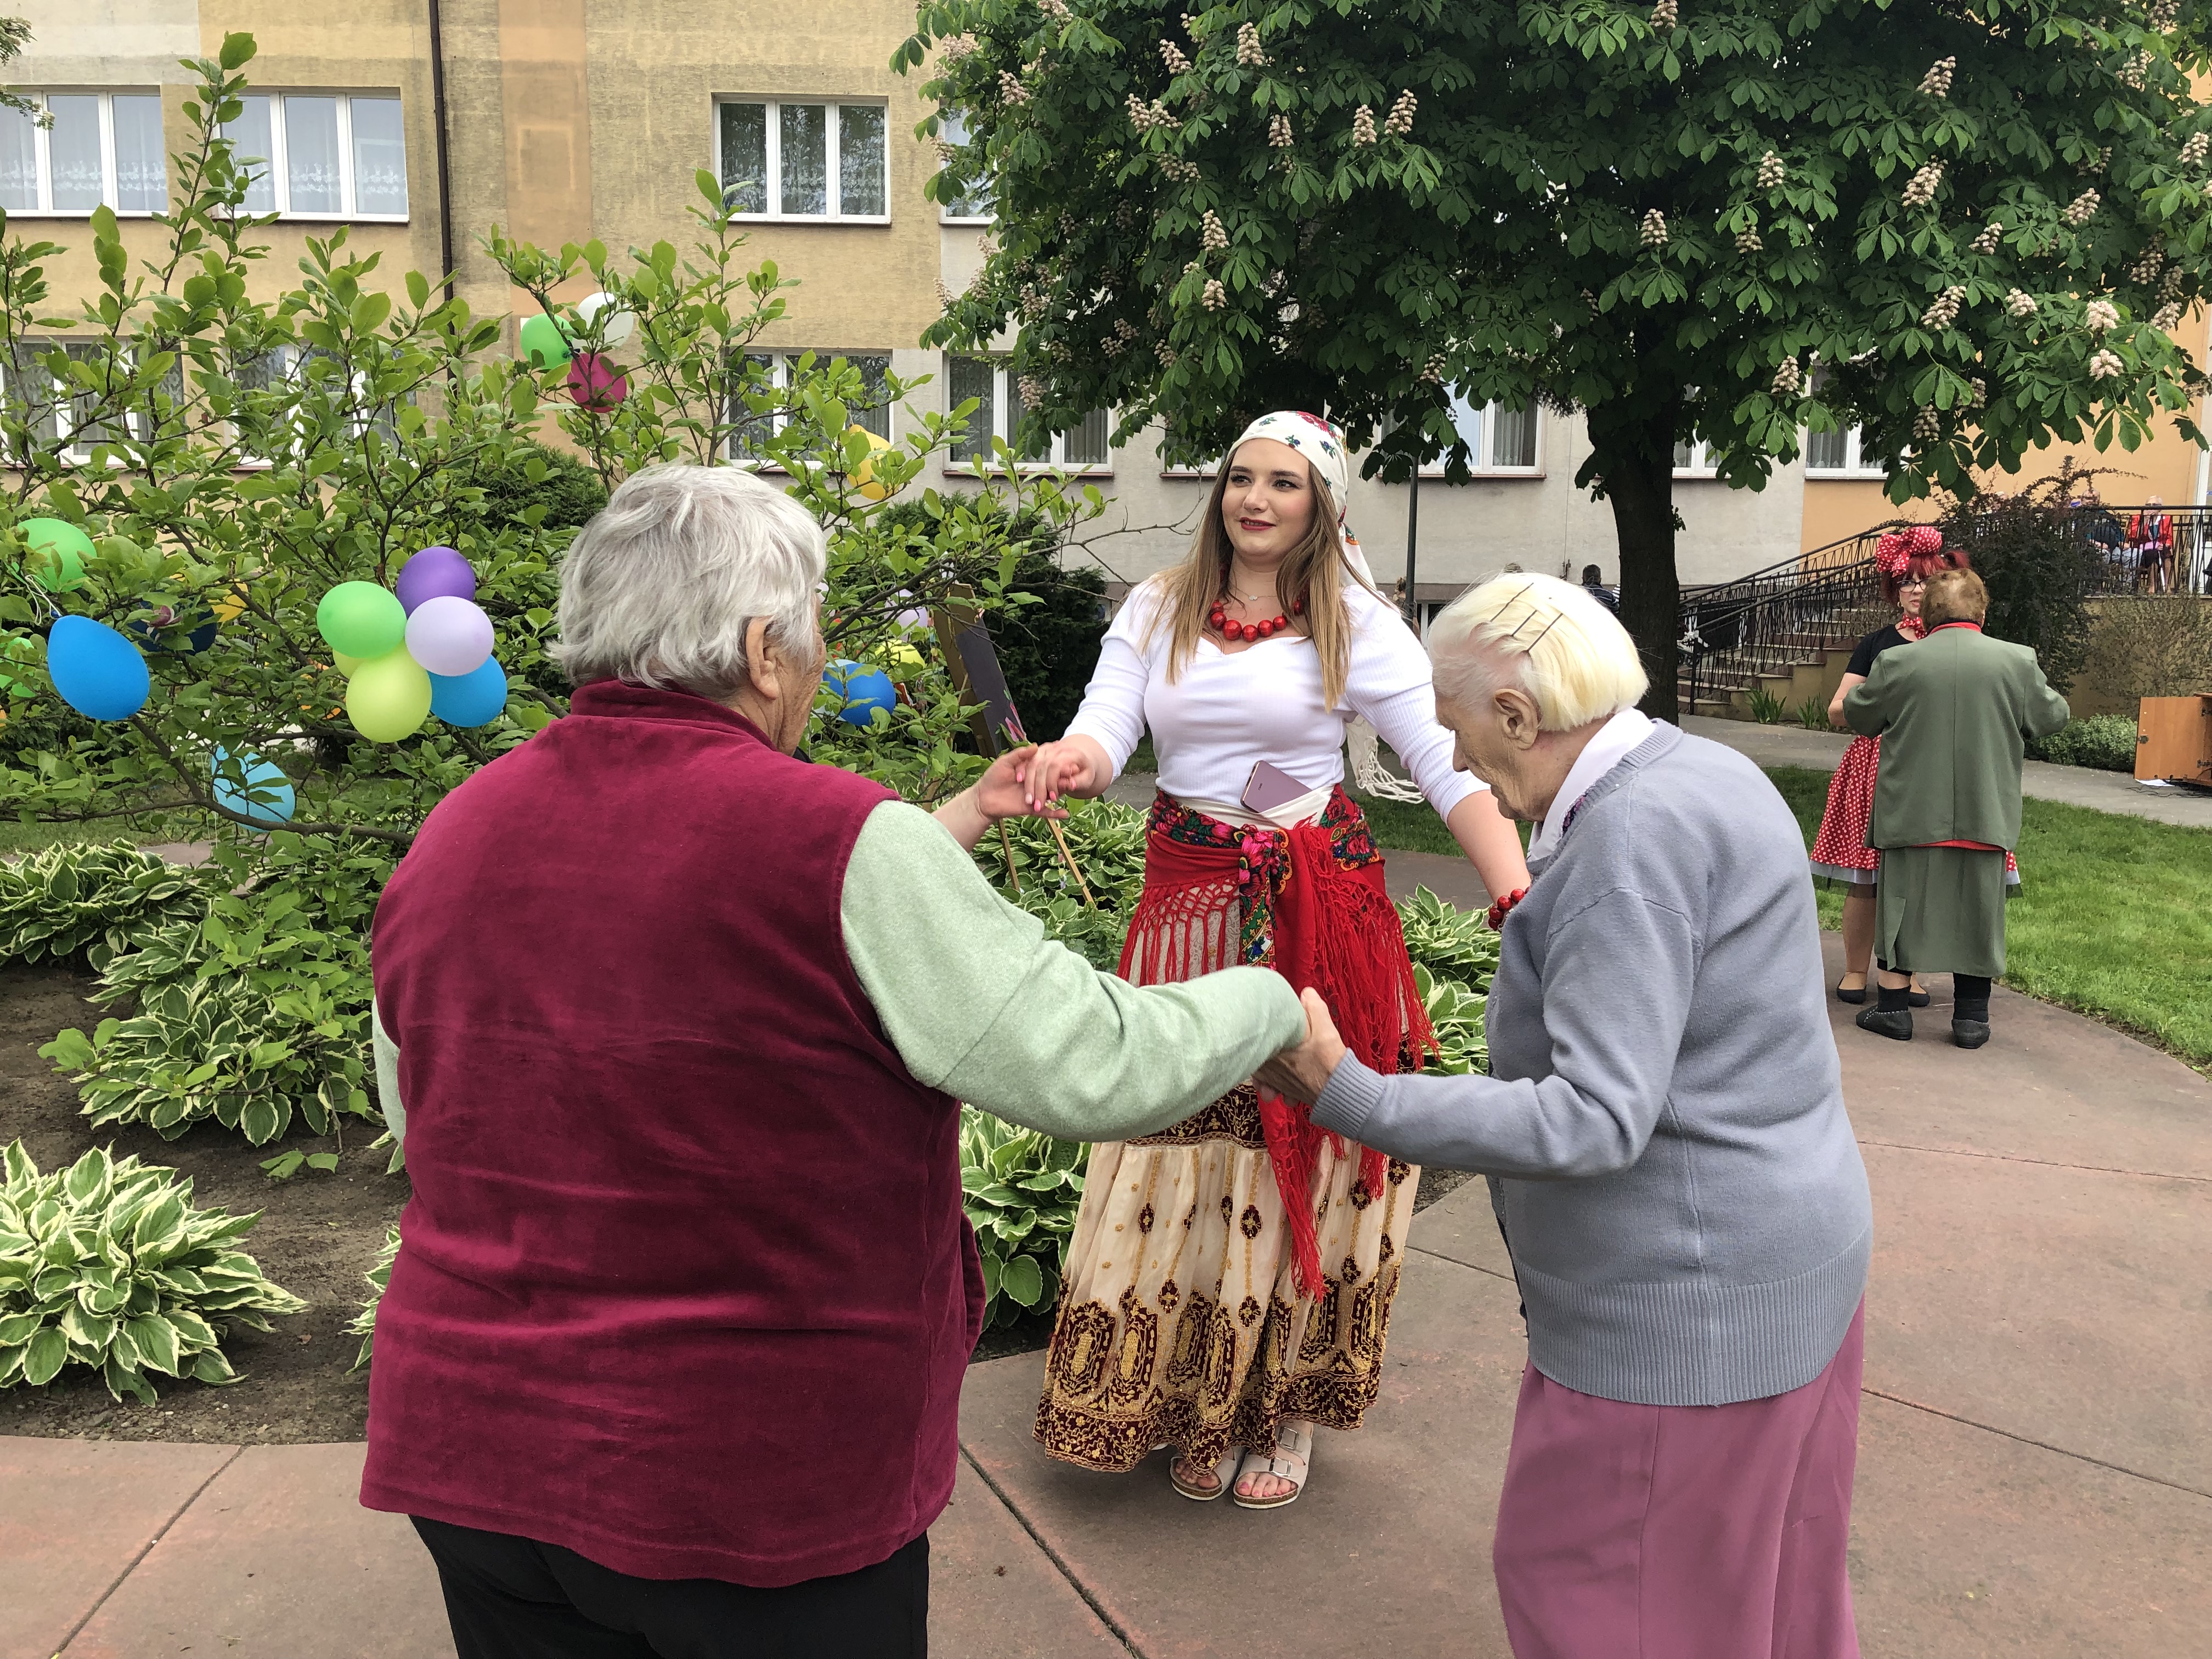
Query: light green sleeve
point(387, 1076)
point(980, 1004)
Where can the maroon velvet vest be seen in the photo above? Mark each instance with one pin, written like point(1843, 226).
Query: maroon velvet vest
point(685, 1286)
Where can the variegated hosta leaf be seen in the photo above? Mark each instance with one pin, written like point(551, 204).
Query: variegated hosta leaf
point(114, 1269)
point(1021, 1190)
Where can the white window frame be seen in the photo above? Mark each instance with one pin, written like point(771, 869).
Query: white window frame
point(951, 130)
point(1465, 414)
point(280, 182)
point(1700, 463)
point(832, 159)
point(110, 184)
point(1004, 391)
point(1855, 467)
point(779, 365)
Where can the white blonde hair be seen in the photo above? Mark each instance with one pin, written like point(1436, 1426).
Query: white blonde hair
point(660, 586)
point(1554, 640)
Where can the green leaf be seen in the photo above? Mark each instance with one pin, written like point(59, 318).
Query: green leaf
point(44, 1358)
point(260, 1121)
point(156, 1339)
point(1023, 1280)
point(238, 51)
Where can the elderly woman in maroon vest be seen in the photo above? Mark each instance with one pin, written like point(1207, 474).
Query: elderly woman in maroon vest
point(674, 1026)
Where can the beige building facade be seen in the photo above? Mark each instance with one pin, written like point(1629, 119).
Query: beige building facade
point(421, 123)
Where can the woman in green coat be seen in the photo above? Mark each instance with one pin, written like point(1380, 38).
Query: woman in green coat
point(1953, 713)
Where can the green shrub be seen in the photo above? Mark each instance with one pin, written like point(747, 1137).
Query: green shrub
point(1021, 1190)
point(363, 1324)
point(252, 1013)
point(1450, 943)
point(2104, 741)
point(70, 900)
point(1766, 708)
point(1813, 713)
point(108, 1265)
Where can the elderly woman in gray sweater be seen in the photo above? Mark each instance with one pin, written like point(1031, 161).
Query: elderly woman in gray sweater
point(1663, 1127)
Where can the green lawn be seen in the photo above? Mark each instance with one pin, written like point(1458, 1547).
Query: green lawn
point(2114, 915)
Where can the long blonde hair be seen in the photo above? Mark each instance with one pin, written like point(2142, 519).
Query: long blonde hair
point(1314, 571)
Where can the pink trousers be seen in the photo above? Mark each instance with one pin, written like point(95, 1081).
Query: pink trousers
point(1681, 1532)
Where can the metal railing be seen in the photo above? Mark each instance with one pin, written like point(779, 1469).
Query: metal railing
point(1763, 625)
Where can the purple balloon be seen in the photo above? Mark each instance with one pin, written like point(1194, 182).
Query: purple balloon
point(449, 635)
point(435, 573)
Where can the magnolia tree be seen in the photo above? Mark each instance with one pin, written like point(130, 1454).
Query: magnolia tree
point(195, 468)
point(1966, 230)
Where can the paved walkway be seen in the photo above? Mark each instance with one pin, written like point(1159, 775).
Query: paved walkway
point(2076, 786)
point(2035, 1474)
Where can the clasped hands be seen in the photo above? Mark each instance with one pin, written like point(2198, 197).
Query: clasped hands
point(1302, 1071)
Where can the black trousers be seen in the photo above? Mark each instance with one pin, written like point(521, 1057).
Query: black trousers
point(515, 1598)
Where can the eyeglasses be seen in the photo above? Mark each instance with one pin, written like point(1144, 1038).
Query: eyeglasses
point(1913, 581)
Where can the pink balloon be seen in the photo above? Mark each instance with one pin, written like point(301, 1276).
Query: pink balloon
point(596, 383)
point(449, 635)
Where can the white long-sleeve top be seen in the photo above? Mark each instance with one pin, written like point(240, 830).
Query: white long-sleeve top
point(1228, 710)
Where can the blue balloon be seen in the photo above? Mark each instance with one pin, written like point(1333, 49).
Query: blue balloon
point(97, 671)
point(476, 698)
point(264, 779)
point(865, 689)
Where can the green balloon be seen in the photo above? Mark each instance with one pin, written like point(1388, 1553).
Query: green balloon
point(544, 342)
point(362, 619)
point(388, 699)
point(58, 550)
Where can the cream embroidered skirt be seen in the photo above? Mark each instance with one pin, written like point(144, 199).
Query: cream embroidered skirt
point(1180, 1320)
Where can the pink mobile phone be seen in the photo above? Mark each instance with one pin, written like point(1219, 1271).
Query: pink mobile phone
point(1270, 788)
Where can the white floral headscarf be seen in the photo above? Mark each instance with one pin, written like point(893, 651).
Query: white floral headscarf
point(1324, 449)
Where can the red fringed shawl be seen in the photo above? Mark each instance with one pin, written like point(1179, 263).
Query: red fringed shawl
point(1308, 903)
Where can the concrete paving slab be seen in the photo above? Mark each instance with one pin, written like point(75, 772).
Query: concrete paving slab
point(1388, 1552)
point(1967, 1544)
point(2050, 1086)
point(2094, 1340)
point(277, 1559)
point(994, 1595)
point(1461, 1227)
point(73, 1516)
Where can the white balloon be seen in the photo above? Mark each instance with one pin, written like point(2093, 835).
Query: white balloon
point(449, 635)
point(619, 326)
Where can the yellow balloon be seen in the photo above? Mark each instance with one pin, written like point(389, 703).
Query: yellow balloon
point(863, 475)
point(389, 697)
point(230, 606)
point(902, 653)
point(347, 666)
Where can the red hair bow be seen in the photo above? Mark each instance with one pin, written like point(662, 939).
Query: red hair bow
point(1894, 553)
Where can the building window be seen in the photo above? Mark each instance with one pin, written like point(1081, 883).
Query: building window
point(803, 161)
point(1694, 459)
point(748, 441)
point(1082, 448)
point(1500, 442)
point(101, 149)
point(55, 412)
point(322, 154)
point(1840, 455)
point(973, 204)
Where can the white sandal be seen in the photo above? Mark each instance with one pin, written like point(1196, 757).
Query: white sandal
point(1224, 1471)
point(1292, 1457)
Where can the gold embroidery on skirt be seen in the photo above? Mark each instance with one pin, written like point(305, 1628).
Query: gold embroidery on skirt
point(1143, 1354)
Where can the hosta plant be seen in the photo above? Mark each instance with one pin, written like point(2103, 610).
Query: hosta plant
point(255, 1014)
point(1455, 1015)
point(363, 1324)
point(1449, 942)
point(106, 1264)
point(89, 899)
point(1022, 1189)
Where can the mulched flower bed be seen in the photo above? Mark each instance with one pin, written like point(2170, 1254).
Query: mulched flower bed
point(319, 1234)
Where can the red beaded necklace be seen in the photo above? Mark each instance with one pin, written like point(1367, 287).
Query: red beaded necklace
point(1218, 620)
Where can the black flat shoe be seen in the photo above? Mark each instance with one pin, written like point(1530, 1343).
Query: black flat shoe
point(1890, 1023)
point(1857, 996)
point(1917, 999)
point(1970, 1033)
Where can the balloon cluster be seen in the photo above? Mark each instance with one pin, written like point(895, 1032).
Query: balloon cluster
point(95, 669)
point(594, 382)
point(424, 651)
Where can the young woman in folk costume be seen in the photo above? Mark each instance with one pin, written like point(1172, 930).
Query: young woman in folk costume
point(1229, 1281)
point(1904, 560)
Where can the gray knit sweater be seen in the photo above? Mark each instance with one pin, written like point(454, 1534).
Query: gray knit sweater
point(1663, 1121)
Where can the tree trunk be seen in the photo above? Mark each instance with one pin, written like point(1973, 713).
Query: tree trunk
point(1636, 465)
